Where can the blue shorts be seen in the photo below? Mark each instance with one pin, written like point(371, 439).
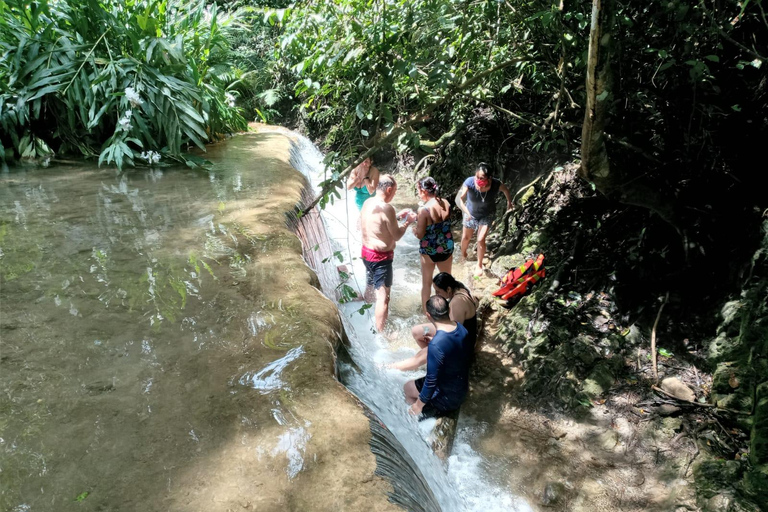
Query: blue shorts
point(476, 222)
point(379, 273)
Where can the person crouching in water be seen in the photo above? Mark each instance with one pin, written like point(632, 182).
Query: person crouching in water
point(449, 354)
point(381, 231)
point(433, 230)
point(477, 200)
point(462, 309)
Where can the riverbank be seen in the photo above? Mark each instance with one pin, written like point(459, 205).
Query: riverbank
point(566, 383)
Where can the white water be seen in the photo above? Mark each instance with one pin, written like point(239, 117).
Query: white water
point(463, 485)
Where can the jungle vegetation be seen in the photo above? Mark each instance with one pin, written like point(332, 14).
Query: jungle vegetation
point(662, 105)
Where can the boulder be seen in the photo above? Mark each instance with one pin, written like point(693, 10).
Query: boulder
point(554, 492)
point(676, 388)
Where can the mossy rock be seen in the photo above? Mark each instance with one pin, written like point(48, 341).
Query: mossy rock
point(532, 243)
point(733, 385)
point(599, 380)
point(502, 264)
point(724, 348)
point(756, 485)
point(582, 349)
point(712, 476)
point(758, 450)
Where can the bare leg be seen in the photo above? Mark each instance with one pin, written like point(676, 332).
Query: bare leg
point(445, 266)
point(382, 307)
point(368, 294)
point(466, 236)
point(411, 392)
point(422, 333)
point(427, 271)
point(482, 232)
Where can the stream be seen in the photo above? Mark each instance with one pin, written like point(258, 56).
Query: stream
point(471, 482)
point(163, 347)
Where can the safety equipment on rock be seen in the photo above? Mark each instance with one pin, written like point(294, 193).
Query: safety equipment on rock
point(517, 280)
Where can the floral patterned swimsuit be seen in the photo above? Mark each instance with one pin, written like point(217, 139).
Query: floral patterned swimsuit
point(437, 242)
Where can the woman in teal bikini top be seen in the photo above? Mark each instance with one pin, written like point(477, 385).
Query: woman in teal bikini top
point(363, 180)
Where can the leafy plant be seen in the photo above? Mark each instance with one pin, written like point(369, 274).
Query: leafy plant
point(116, 80)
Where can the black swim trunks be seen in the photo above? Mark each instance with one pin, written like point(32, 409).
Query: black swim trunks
point(429, 410)
point(379, 273)
point(378, 267)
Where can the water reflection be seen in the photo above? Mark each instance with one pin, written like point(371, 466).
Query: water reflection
point(268, 378)
point(129, 301)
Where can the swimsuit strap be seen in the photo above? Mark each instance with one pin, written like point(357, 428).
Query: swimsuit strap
point(466, 295)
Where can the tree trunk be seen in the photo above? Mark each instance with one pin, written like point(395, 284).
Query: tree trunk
point(614, 182)
point(595, 166)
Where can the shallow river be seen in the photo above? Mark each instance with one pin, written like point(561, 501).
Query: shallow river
point(162, 347)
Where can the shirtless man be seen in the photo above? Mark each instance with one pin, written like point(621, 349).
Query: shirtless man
point(380, 233)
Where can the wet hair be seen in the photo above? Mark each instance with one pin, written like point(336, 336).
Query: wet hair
point(485, 168)
point(444, 280)
point(429, 185)
point(437, 307)
point(386, 181)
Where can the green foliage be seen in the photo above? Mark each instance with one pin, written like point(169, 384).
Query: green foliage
point(122, 80)
point(361, 67)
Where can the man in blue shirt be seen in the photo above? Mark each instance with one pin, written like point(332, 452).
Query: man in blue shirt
point(449, 355)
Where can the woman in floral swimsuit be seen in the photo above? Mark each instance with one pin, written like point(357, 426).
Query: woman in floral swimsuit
point(433, 230)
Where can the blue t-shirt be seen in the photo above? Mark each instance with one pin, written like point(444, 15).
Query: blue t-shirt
point(449, 355)
point(481, 205)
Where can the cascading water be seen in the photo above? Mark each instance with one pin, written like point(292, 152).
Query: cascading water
point(462, 485)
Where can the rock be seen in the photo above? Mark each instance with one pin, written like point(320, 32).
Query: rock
point(443, 434)
point(756, 483)
point(502, 264)
point(673, 424)
point(667, 410)
point(676, 388)
point(758, 452)
point(599, 381)
point(718, 502)
point(609, 440)
point(554, 492)
point(583, 349)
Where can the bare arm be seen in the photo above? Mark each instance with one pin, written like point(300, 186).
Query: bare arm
point(373, 180)
point(412, 363)
point(421, 226)
point(505, 190)
point(353, 179)
point(396, 230)
point(460, 198)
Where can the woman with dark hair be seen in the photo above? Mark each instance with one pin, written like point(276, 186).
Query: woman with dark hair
point(433, 229)
point(463, 309)
point(477, 201)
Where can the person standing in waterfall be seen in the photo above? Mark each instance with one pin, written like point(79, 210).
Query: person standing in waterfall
point(449, 354)
point(363, 180)
point(381, 231)
point(477, 201)
point(433, 229)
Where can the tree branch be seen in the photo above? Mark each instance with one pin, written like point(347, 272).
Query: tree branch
point(419, 117)
point(505, 111)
